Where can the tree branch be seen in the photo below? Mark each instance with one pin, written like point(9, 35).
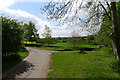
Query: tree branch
point(106, 11)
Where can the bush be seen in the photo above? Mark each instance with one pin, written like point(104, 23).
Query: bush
point(23, 49)
point(115, 65)
point(12, 57)
point(12, 36)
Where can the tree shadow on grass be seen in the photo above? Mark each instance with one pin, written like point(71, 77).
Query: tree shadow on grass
point(18, 69)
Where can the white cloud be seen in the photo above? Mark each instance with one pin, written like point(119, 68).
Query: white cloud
point(6, 3)
point(33, 0)
point(40, 24)
point(24, 16)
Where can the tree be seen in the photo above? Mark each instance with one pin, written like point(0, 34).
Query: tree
point(102, 38)
point(12, 35)
point(95, 11)
point(90, 39)
point(31, 31)
point(47, 35)
point(74, 40)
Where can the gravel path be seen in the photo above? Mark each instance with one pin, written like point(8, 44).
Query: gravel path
point(36, 65)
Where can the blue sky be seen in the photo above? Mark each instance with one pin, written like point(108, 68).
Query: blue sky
point(32, 8)
point(30, 11)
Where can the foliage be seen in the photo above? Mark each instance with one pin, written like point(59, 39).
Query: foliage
point(74, 42)
point(12, 35)
point(94, 12)
point(102, 38)
point(90, 39)
point(115, 65)
point(31, 31)
point(47, 35)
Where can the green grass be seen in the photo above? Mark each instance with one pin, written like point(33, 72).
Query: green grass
point(57, 46)
point(50, 48)
point(64, 46)
point(67, 45)
point(12, 60)
point(93, 64)
point(61, 44)
point(23, 54)
point(89, 46)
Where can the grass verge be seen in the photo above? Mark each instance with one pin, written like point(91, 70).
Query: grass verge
point(93, 64)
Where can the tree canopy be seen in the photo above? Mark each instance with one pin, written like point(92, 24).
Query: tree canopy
point(69, 12)
point(47, 35)
point(31, 31)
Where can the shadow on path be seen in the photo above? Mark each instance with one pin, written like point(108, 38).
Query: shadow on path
point(36, 65)
point(18, 69)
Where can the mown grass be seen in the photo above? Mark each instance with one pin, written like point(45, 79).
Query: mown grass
point(64, 46)
point(10, 61)
point(60, 44)
point(49, 48)
point(88, 46)
point(93, 64)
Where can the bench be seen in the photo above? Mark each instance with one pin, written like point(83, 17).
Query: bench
point(85, 49)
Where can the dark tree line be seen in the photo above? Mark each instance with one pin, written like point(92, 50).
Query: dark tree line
point(14, 33)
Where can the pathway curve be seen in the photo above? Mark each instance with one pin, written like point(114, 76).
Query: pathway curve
point(36, 65)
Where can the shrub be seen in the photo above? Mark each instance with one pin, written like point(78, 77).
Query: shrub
point(115, 65)
point(12, 57)
point(12, 35)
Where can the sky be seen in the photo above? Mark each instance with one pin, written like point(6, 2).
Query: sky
point(29, 10)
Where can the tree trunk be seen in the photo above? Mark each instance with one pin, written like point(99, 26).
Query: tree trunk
point(112, 35)
point(115, 36)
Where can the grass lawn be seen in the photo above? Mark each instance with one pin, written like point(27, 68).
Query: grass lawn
point(49, 48)
point(93, 64)
point(12, 60)
point(66, 45)
point(60, 44)
point(89, 46)
point(63, 46)
point(57, 46)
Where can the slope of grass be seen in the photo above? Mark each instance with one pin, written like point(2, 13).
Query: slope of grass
point(50, 48)
point(89, 46)
point(64, 46)
point(93, 64)
point(60, 44)
point(10, 61)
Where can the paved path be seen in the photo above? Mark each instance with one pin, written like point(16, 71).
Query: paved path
point(36, 65)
